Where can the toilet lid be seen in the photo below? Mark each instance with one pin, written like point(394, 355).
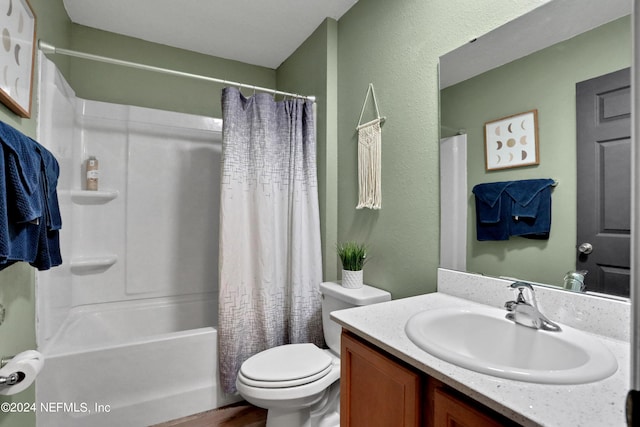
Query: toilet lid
point(286, 366)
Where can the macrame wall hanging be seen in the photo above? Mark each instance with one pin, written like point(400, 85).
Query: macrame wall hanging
point(370, 157)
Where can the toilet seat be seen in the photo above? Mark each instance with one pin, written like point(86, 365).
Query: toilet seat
point(284, 366)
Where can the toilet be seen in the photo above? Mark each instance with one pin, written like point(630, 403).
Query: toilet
point(299, 384)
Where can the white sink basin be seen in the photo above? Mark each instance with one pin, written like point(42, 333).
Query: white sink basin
point(481, 339)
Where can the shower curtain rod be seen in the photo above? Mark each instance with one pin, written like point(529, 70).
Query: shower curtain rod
point(49, 48)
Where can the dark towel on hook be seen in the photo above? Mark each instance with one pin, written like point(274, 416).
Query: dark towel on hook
point(530, 208)
point(50, 174)
point(513, 208)
point(22, 168)
point(492, 211)
point(29, 211)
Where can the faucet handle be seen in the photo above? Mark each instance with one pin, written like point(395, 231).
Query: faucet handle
point(510, 305)
point(521, 285)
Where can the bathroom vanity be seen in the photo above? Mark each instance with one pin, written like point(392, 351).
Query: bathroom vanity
point(384, 374)
point(379, 389)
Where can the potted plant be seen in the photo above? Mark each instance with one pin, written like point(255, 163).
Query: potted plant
point(353, 256)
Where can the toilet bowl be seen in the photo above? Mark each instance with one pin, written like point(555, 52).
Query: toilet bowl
point(290, 381)
point(299, 384)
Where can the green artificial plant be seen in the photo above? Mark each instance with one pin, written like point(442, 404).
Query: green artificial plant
point(353, 255)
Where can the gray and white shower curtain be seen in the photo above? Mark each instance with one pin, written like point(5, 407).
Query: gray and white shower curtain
point(270, 253)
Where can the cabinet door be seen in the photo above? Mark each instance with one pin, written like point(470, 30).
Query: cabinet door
point(376, 390)
point(450, 411)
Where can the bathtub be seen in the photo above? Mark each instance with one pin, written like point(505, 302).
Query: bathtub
point(133, 363)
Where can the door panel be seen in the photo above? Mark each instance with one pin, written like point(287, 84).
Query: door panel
point(603, 111)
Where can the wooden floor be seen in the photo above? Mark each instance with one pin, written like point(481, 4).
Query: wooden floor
point(237, 415)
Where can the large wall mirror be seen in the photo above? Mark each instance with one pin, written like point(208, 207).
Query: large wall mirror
point(543, 61)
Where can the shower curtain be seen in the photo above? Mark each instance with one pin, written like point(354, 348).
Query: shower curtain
point(270, 256)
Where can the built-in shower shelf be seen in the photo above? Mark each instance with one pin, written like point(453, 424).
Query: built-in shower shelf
point(92, 265)
point(86, 197)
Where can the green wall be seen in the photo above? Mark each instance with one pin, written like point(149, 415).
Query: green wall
point(544, 81)
point(396, 46)
point(123, 85)
point(18, 332)
point(313, 70)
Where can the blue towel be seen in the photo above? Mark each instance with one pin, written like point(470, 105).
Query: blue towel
point(5, 240)
point(18, 239)
point(492, 211)
point(50, 182)
point(29, 212)
point(526, 195)
point(47, 252)
point(23, 171)
point(530, 208)
point(488, 200)
point(513, 208)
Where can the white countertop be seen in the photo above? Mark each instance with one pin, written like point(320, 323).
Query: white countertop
point(597, 404)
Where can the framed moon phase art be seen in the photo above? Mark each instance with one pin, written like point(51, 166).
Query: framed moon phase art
point(18, 26)
point(511, 142)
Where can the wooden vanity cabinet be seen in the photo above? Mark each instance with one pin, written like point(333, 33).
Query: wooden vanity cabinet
point(376, 389)
point(451, 409)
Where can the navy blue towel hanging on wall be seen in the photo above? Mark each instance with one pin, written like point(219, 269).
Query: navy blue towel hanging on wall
point(513, 208)
point(29, 212)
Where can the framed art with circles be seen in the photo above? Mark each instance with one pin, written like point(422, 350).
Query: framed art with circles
point(512, 141)
point(18, 27)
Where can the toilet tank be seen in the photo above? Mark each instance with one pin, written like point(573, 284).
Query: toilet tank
point(336, 297)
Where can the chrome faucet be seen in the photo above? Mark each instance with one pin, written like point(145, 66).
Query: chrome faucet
point(525, 313)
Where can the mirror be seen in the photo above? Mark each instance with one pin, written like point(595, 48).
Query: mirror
point(532, 63)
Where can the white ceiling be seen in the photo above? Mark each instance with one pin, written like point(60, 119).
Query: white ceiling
point(259, 32)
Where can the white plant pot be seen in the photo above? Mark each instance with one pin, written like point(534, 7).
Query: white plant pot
point(352, 279)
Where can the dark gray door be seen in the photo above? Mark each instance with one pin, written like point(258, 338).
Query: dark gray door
point(603, 107)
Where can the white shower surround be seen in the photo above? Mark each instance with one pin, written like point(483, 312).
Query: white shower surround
point(136, 296)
